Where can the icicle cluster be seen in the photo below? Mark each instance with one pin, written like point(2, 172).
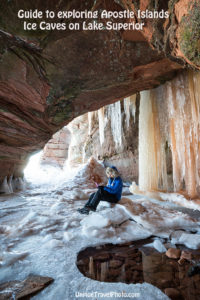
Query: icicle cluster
point(113, 112)
point(10, 185)
point(170, 115)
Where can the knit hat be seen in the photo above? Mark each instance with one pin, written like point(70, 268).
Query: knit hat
point(114, 168)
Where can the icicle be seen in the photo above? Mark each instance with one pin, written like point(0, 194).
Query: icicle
point(90, 119)
point(10, 183)
point(5, 187)
point(101, 124)
point(116, 122)
point(22, 184)
point(130, 106)
point(19, 184)
point(127, 110)
point(14, 184)
point(133, 105)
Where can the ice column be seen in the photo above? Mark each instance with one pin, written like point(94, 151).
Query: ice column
point(184, 118)
point(116, 122)
point(133, 105)
point(152, 157)
point(101, 124)
point(127, 110)
point(148, 176)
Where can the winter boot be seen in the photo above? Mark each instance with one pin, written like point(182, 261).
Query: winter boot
point(83, 210)
point(91, 208)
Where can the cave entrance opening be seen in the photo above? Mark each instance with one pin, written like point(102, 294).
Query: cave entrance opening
point(109, 135)
point(50, 166)
point(40, 173)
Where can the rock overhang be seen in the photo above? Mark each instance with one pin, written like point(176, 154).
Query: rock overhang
point(49, 78)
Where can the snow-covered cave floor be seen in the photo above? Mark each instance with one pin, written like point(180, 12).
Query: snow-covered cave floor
point(42, 233)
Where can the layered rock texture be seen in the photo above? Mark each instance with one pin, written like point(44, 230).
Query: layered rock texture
point(47, 78)
point(56, 150)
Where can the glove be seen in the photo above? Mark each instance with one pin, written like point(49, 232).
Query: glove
point(100, 187)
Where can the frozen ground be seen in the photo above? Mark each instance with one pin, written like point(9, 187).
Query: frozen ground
point(41, 232)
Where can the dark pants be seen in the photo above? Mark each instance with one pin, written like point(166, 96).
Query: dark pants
point(100, 195)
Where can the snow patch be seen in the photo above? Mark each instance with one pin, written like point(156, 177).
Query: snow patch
point(190, 240)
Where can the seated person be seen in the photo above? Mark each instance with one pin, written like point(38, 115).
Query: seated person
point(111, 192)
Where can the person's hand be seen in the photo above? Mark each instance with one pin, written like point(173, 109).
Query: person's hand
point(100, 187)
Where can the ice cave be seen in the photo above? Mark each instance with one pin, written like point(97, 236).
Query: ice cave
point(79, 111)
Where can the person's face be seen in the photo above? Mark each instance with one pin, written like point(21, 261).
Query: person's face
point(110, 175)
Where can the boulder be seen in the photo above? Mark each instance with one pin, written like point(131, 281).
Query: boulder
point(173, 253)
point(26, 288)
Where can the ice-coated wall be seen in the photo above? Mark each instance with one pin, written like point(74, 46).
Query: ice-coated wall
point(109, 134)
point(169, 126)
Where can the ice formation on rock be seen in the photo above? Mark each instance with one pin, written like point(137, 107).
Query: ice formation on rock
point(127, 110)
point(169, 121)
point(130, 107)
point(116, 122)
point(5, 188)
point(101, 124)
point(90, 119)
point(20, 185)
point(115, 117)
point(152, 160)
point(184, 113)
point(10, 184)
point(148, 176)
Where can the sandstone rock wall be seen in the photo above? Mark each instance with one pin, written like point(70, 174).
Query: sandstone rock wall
point(56, 150)
point(109, 134)
point(49, 78)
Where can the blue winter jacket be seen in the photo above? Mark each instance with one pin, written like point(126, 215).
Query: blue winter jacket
point(114, 186)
